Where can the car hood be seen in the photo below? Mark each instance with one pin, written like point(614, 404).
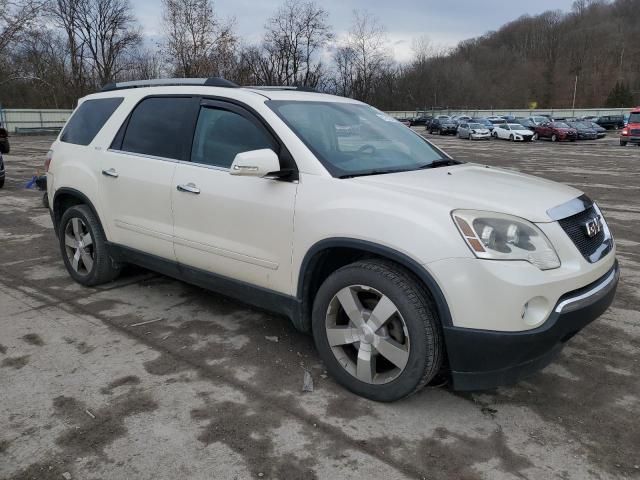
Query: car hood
point(478, 187)
point(522, 132)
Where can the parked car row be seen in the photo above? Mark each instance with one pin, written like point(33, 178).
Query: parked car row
point(530, 128)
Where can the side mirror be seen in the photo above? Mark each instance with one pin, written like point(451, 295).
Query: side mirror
point(255, 163)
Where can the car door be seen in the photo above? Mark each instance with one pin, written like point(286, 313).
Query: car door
point(463, 131)
point(137, 173)
point(238, 227)
point(543, 130)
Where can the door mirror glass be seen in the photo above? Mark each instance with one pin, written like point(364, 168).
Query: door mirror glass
point(255, 163)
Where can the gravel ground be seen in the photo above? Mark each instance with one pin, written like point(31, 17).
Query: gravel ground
point(152, 378)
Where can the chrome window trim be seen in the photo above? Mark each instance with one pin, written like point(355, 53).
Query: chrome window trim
point(590, 296)
point(165, 159)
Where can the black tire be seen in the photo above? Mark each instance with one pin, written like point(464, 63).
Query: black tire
point(104, 268)
point(554, 138)
point(5, 147)
point(45, 200)
point(511, 138)
point(623, 143)
point(418, 312)
point(1, 182)
point(535, 137)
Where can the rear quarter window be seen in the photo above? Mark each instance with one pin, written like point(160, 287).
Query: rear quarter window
point(88, 119)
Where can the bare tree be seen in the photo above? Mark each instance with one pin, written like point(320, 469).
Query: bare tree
point(294, 36)
point(15, 18)
point(109, 31)
point(66, 16)
point(198, 43)
point(364, 56)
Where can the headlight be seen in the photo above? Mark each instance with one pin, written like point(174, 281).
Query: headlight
point(496, 236)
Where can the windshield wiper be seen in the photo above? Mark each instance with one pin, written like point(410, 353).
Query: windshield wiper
point(372, 172)
point(440, 163)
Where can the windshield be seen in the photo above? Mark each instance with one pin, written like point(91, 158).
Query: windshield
point(355, 139)
point(516, 126)
point(634, 117)
point(561, 125)
point(475, 125)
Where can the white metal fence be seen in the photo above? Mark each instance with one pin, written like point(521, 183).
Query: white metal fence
point(22, 121)
point(559, 112)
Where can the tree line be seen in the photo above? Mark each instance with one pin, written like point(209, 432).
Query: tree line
point(54, 51)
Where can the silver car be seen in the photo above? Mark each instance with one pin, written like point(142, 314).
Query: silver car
point(473, 131)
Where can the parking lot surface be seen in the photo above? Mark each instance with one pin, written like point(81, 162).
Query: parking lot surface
point(152, 378)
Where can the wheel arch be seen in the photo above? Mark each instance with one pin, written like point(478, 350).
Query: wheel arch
point(327, 255)
point(66, 197)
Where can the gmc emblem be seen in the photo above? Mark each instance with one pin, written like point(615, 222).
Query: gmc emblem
point(593, 227)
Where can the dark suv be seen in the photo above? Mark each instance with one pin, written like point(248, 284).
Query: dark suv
point(443, 126)
point(611, 122)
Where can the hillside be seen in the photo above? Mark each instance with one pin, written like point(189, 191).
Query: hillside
point(533, 59)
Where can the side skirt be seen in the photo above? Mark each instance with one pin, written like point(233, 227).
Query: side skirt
point(262, 298)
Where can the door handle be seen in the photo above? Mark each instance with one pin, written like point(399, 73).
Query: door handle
point(189, 188)
point(110, 173)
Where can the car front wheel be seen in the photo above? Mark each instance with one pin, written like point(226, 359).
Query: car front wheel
point(554, 138)
point(84, 249)
point(377, 331)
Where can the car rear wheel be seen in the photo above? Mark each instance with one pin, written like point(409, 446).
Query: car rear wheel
point(377, 331)
point(84, 249)
point(535, 136)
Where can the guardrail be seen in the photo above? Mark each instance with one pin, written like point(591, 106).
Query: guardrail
point(554, 112)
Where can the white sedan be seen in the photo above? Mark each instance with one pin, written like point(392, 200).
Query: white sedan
point(512, 131)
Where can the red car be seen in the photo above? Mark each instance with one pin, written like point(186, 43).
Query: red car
point(631, 132)
point(556, 131)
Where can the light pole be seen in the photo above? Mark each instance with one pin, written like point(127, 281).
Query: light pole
point(575, 89)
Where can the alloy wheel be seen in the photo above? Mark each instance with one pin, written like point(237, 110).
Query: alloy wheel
point(79, 247)
point(367, 334)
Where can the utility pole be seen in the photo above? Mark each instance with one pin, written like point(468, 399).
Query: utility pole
point(575, 89)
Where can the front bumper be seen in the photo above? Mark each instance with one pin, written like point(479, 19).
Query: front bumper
point(632, 140)
point(482, 359)
point(480, 136)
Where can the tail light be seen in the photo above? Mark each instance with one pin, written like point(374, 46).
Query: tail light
point(47, 162)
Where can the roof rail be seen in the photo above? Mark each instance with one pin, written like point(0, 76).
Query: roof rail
point(170, 82)
point(283, 87)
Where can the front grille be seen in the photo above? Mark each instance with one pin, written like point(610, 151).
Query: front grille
point(574, 226)
point(635, 131)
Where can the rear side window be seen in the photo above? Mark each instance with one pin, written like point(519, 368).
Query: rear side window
point(88, 119)
point(158, 127)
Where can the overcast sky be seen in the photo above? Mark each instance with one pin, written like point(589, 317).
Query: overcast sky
point(445, 22)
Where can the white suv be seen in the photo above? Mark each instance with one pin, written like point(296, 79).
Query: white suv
point(403, 262)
